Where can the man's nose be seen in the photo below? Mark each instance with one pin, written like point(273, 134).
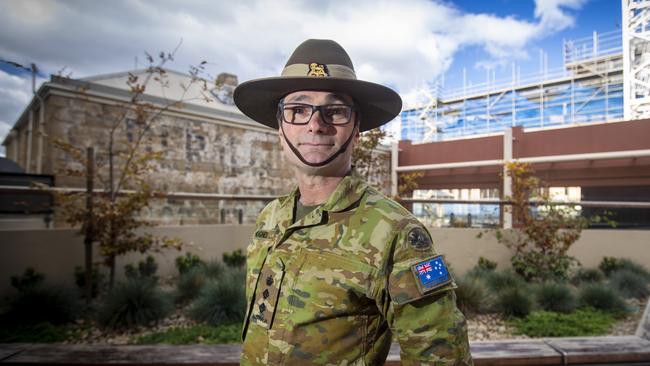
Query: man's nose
point(316, 122)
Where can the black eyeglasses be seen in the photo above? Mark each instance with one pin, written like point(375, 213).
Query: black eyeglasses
point(301, 114)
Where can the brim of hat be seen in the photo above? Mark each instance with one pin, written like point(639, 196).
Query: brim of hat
point(259, 98)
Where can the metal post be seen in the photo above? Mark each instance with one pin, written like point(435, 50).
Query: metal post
point(514, 83)
point(507, 180)
point(627, 62)
point(88, 239)
point(240, 216)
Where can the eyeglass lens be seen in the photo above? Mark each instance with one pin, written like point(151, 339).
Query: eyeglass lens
point(336, 114)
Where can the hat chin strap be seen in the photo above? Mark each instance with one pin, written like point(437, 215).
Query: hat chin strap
point(322, 163)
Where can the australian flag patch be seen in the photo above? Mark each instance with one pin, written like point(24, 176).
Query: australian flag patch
point(431, 274)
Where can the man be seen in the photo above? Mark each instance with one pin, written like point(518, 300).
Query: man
point(335, 268)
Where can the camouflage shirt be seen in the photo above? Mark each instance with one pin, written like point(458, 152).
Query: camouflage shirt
point(334, 287)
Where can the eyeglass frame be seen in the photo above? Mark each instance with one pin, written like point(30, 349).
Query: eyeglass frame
point(314, 108)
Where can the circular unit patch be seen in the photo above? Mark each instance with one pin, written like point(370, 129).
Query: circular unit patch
point(419, 239)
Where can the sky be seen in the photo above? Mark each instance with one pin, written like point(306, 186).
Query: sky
point(403, 44)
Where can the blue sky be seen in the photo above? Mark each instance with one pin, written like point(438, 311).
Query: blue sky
point(593, 15)
point(403, 44)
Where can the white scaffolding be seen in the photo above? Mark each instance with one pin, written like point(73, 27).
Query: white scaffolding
point(587, 88)
point(636, 58)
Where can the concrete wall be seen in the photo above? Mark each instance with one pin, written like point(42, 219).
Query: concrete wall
point(56, 252)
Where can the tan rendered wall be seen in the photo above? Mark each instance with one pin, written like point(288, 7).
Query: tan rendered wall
point(56, 252)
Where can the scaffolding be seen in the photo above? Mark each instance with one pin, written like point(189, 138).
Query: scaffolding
point(636, 55)
point(587, 88)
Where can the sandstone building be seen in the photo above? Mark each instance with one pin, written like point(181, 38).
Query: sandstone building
point(218, 166)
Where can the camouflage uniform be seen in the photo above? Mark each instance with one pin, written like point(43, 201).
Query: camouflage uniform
point(332, 288)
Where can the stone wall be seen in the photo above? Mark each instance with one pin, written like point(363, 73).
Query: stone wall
point(199, 156)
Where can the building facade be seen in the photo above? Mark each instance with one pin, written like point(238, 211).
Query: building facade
point(217, 165)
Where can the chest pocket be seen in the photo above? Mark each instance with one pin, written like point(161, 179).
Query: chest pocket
point(330, 285)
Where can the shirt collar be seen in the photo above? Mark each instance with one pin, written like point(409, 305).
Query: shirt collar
point(347, 192)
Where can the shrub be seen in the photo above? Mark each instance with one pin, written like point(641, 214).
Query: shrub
point(37, 333)
point(187, 262)
point(629, 284)
point(221, 301)
point(506, 279)
point(631, 266)
point(478, 273)
point(236, 258)
point(213, 269)
point(39, 303)
point(189, 285)
point(29, 279)
point(609, 265)
point(470, 295)
point(136, 302)
point(146, 269)
point(601, 297)
point(206, 334)
point(555, 297)
point(486, 264)
point(513, 302)
point(585, 322)
point(96, 279)
point(587, 275)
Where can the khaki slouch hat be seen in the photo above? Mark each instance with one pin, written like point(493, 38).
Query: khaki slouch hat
point(321, 65)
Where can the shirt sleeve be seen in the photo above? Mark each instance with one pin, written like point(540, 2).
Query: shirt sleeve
point(420, 310)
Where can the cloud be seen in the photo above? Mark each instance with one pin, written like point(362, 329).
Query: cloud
point(400, 44)
point(15, 93)
point(553, 14)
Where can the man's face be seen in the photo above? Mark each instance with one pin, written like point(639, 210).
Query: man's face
point(317, 140)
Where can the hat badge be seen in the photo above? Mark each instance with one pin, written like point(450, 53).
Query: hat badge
point(318, 70)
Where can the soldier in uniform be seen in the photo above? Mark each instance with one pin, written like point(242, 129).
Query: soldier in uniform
point(336, 270)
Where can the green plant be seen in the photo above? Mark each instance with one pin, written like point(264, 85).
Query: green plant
point(221, 301)
point(205, 334)
point(470, 295)
point(542, 235)
point(136, 302)
point(629, 284)
point(96, 279)
point(610, 264)
point(513, 301)
point(189, 284)
point(505, 279)
point(39, 303)
point(555, 297)
point(236, 258)
point(146, 269)
point(587, 275)
point(631, 266)
point(37, 333)
point(601, 297)
point(213, 269)
point(187, 262)
point(584, 322)
point(486, 264)
point(29, 279)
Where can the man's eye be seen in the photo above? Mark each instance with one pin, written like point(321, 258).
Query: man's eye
point(299, 110)
point(337, 112)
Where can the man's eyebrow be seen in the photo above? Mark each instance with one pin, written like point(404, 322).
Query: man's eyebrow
point(300, 98)
point(337, 97)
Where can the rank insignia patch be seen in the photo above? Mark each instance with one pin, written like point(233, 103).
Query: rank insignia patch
point(419, 239)
point(431, 274)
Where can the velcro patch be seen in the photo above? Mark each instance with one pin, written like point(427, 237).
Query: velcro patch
point(430, 274)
